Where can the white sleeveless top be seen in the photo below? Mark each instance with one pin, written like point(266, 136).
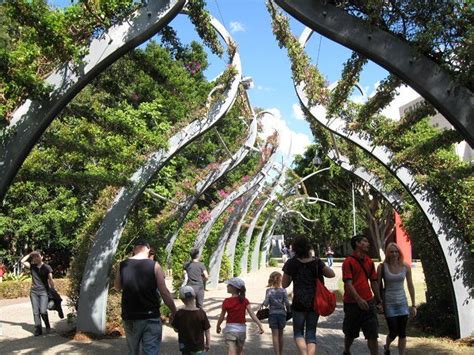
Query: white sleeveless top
point(394, 288)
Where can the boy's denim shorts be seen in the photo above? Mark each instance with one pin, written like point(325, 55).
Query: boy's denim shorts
point(277, 321)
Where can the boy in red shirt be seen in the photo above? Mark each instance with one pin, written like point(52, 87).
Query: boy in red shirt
point(235, 306)
point(359, 306)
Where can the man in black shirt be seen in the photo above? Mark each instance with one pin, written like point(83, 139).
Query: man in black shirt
point(139, 277)
point(41, 281)
point(196, 275)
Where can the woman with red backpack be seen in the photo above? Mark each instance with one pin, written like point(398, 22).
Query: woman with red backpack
point(303, 270)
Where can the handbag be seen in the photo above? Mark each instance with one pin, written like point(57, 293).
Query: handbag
point(263, 313)
point(324, 300)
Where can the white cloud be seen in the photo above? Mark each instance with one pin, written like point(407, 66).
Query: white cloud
point(264, 88)
point(297, 112)
point(236, 27)
point(288, 138)
point(405, 95)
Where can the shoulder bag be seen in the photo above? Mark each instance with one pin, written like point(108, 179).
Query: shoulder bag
point(263, 312)
point(324, 300)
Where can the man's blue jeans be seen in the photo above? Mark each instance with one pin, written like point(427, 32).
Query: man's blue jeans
point(144, 331)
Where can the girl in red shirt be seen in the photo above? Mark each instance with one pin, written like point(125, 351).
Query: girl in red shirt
point(235, 306)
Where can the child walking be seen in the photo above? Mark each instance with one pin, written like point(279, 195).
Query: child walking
point(276, 299)
point(192, 325)
point(235, 306)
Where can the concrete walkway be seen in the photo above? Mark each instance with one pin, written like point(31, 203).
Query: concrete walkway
point(16, 321)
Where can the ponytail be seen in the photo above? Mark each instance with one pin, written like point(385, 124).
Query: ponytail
point(241, 293)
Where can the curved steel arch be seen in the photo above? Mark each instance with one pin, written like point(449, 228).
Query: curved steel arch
point(215, 260)
point(211, 178)
point(344, 162)
point(225, 203)
point(32, 118)
point(455, 251)
point(267, 239)
point(453, 101)
point(235, 232)
point(256, 251)
point(94, 285)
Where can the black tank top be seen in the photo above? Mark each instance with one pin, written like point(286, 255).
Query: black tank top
point(140, 298)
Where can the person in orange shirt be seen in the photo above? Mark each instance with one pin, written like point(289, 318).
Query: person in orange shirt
point(360, 287)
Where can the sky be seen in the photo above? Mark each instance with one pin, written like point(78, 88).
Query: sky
point(250, 26)
point(249, 23)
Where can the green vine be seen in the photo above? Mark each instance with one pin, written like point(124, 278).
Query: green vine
point(303, 71)
point(201, 21)
point(349, 77)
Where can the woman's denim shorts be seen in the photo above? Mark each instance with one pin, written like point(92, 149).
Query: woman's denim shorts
point(308, 320)
point(277, 321)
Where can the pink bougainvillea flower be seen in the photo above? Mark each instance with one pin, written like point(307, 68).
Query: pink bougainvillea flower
point(204, 216)
point(222, 193)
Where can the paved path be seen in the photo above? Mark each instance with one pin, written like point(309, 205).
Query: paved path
point(17, 327)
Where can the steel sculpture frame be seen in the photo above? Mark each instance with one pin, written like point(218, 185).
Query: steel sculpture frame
point(256, 251)
point(32, 118)
point(203, 233)
point(455, 250)
point(215, 260)
point(391, 197)
point(95, 281)
point(210, 179)
point(235, 232)
point(268, 234)
point(453, 101)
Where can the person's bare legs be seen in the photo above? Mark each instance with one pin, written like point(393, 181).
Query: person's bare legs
point(347, 344)
point(388, 341)
point(233, 349)
point(402, 345)
point(311, 348)
point(280, 340)
point(373, 346)
point(301, 345)
point(276, 341)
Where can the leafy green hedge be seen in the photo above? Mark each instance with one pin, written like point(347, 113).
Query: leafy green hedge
point(17, 289)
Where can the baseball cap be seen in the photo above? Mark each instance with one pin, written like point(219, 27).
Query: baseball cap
point(237, 282)
point(142, 242)
point(187, 292)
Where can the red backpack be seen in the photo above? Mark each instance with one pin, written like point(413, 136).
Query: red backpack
point(324, 300)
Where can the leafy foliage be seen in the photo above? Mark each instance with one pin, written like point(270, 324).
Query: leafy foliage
point(442, 30)
point(35, 39)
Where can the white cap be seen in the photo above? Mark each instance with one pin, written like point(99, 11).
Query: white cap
point(238, 283)
point(187, 292)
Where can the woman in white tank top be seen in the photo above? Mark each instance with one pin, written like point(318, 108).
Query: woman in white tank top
point(393, 272)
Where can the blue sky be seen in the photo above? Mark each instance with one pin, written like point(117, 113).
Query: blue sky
point(268, 65)
point(250, 26)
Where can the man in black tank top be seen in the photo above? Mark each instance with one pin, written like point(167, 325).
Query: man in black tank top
point(139, 278)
